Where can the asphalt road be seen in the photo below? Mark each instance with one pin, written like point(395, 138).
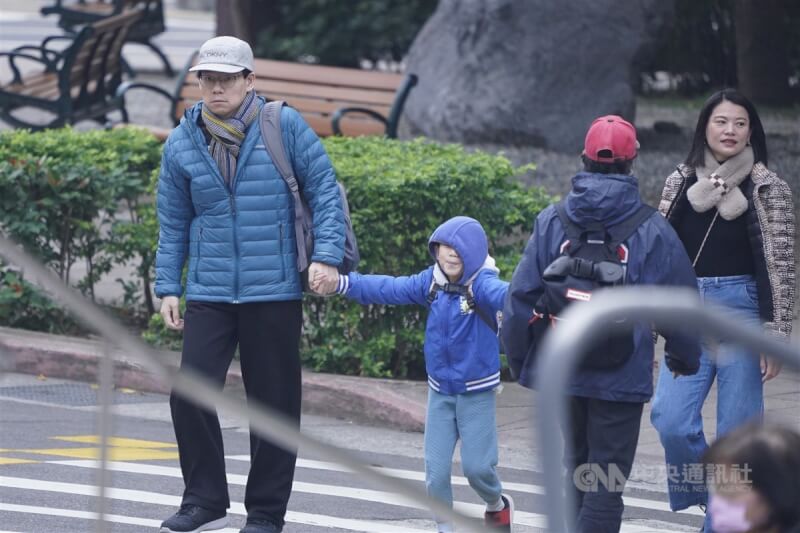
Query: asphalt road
point(49, 452)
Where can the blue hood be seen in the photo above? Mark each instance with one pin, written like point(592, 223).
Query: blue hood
point(602, 198)
point(466, 236)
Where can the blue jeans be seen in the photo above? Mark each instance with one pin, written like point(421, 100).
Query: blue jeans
point(676, 412)
point(470, 417)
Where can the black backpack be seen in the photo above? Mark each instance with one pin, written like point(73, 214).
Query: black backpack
point(593, 258)
point(270, 124)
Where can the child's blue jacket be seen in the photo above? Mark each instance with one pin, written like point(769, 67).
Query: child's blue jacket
point(461, 350)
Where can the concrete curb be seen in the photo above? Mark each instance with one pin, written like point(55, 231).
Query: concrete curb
point(363, 400)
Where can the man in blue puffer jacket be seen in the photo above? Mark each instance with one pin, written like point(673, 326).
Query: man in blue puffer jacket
point(463, 295)
point(605, 405)
point(224, 208)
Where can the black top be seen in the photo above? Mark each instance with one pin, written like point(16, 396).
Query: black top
point(727, 251)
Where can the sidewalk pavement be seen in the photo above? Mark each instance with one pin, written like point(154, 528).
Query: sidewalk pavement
point(383, 403)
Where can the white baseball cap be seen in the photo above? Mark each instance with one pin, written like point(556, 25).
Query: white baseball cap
point(224, 54)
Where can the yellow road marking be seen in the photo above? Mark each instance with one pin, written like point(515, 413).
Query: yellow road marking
point(117, 441)
point(114, 454)
point(15, 461)
point(120, 449)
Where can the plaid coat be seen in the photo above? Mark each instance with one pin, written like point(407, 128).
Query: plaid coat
point(770, 220)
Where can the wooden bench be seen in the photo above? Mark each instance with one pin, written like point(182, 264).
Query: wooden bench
point(78, 82)
point(76, 14)
point(333, 100)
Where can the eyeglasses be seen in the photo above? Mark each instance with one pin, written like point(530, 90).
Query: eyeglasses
point(226, 82)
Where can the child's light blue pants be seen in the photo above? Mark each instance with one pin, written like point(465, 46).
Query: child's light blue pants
point(470, 417)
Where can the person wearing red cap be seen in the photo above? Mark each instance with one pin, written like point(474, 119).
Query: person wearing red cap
point(735, 218)
point(606, 403)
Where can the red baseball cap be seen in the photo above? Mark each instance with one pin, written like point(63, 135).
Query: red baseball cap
point(611, 138)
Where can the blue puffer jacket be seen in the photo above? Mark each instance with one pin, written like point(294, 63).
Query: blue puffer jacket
point(461, 350)
point(656, 257)
point(239, 239)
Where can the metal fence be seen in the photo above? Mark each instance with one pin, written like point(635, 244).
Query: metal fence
point(560, 356)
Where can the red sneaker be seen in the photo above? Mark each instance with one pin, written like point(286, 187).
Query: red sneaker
point(501, 520)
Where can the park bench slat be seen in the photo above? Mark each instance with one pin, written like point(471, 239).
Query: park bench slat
point(321, 74)
point(319, 93)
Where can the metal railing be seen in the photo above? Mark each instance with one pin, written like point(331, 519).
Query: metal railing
point(269, 424)
point(563, 349)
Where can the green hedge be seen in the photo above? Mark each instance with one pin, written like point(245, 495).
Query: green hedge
point(61, 195)
point(61, 192)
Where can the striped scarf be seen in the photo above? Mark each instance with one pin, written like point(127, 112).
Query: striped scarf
point(227, 134)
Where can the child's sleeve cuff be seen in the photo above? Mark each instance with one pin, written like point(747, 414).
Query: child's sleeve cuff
point(343, 285)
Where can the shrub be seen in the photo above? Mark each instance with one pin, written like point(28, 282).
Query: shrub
point(60, 191)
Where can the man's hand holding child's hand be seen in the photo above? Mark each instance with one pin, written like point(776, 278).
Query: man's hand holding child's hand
point(323, 278)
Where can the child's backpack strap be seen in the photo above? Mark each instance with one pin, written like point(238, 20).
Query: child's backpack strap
point(465, 292)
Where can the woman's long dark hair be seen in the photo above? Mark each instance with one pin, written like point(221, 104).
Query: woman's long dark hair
point(758, 140)
point(771, 456)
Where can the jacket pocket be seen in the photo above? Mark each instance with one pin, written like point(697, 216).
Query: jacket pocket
point(196, 274)
point(282, 250)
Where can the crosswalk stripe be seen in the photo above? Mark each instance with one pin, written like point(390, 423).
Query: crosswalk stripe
point(86, 515)
point(388, 498)
point(528, 488)
point(476, 510)
point(236, 508)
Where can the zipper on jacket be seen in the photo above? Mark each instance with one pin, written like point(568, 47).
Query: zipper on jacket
point(229, 189)
point(450, 369)
point(235, 252)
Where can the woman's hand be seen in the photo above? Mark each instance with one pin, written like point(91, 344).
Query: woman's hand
point(769, 368)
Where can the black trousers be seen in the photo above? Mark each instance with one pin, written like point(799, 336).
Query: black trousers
point(268, 336)
point(604, 435)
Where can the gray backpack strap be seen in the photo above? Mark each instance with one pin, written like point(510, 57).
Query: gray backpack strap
point(270, 124)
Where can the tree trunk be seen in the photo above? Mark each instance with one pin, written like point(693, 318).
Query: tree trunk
point(245, 19)
point(762, 55)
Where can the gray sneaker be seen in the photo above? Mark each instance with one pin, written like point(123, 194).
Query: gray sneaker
point(260, 525)
point(194, 519)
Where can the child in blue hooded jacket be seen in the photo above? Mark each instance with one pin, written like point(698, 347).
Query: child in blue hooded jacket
point(461, 290)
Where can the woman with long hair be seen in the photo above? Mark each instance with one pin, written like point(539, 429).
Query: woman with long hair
point(735, 218)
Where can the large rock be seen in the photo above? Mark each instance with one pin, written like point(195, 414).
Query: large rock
point(528, 72)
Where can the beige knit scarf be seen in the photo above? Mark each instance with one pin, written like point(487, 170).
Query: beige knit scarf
point(718, 185)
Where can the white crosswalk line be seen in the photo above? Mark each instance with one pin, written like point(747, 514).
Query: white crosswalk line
point(377, 496)
point(522, 518)
point(528, 488)
point(237, 508)
point(86, 515)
